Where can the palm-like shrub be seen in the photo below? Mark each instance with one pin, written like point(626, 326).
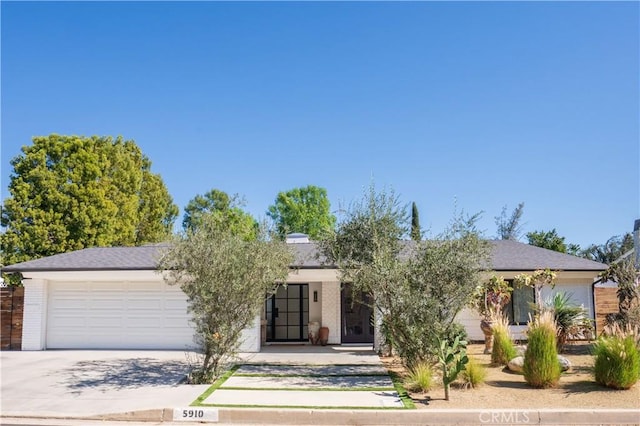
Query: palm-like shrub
point(617, 359)
point(572, 321)
point(541, 367)
point(503, 349)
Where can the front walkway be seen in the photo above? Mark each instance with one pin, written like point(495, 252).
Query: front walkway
point(308, 376)
point(313, 354)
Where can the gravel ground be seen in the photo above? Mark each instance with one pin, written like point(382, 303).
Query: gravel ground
point(504, 389)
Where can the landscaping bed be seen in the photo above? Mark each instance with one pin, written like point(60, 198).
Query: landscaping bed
point(504, 389)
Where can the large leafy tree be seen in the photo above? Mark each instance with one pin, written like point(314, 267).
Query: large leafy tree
point(552, 241)
point(509, 227)
point(305, 209)
point(610, 251)
point(227, 208)
point(72, 192)
point(226, 278)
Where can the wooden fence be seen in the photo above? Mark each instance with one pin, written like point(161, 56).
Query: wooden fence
point(11, 309)
point(606, 302)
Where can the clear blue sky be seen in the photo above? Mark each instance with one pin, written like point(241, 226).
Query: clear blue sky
point(486, 103)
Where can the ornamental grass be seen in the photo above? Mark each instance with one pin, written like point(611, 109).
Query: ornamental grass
point(503, 349)
point(541, 367)
point(617, 359)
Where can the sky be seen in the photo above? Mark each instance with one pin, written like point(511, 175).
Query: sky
point(456, 106)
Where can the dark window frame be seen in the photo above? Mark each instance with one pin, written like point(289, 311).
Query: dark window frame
point(509, 308)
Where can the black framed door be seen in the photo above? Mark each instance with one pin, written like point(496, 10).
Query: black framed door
point(288, 314)
point(357, 316)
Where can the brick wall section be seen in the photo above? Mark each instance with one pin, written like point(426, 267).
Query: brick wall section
point(331, 310)
point(606, 302)
point(35, 300)
point(11, 314)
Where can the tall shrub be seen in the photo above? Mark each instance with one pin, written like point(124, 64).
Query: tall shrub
point(541, 367)
point(617, 360)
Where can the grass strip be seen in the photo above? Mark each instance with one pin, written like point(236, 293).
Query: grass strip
point(309, 375)
point(215, 385)
point(315, 407)
point(341, 389)
point(272, 364)
point(402, 392)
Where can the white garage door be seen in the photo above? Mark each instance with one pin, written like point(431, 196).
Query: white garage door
point(117, 315)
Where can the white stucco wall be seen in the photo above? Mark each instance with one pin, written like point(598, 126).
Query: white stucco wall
point(34, 315)
point(315, 308)
point(579, 284)
point(250, 338)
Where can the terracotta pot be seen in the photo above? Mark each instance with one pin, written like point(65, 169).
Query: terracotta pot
point(323, 335)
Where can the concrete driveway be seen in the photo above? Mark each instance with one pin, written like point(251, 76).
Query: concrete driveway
point(87, 383)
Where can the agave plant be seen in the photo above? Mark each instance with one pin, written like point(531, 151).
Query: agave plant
point(572, 321)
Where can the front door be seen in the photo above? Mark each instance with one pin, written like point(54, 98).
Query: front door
point(357, 316)
point(288, 314)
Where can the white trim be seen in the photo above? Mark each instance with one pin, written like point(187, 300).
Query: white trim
point(34, 316)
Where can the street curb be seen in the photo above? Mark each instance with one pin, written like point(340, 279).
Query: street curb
point(276, 416)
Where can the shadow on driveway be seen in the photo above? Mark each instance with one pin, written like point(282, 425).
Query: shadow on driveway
point(117, 374)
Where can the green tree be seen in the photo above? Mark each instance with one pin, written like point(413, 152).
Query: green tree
point(305, 209)
point(226, 278)
point(418, 288)
point(416, 232)
point(228, 209)
point(552, 241)
point(72, 192)
point(610, 251)
point(509, 227)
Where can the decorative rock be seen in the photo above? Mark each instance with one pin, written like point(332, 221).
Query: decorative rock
point(565, 364)
point(516, 364)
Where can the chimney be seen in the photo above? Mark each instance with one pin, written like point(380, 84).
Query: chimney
point(636, 242)
point(297, 238)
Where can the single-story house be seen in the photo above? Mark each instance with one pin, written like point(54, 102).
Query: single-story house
point(113, 298)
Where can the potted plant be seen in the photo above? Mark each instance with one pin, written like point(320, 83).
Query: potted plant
point(489, 299)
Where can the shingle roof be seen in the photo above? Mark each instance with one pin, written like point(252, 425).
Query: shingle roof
point(515, 256)
point(506, 255)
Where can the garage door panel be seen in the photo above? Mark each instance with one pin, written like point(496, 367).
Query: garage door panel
point(104, 321)
point(117, 315)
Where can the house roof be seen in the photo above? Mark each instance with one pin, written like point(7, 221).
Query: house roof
point(506, 256)
point(510, 255)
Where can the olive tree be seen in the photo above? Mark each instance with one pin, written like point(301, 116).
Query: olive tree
point(418, 287)
point(226, 277)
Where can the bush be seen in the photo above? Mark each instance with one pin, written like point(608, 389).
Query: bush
point(420, 378)
point(541, 367)
point(474, 375)
point(572, 321)
point(617, 361)
point(456, 330)
point(503, 348)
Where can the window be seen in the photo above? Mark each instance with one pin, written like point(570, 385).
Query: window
point(519, 307)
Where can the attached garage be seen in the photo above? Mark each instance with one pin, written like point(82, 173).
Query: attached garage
point(117, 315)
